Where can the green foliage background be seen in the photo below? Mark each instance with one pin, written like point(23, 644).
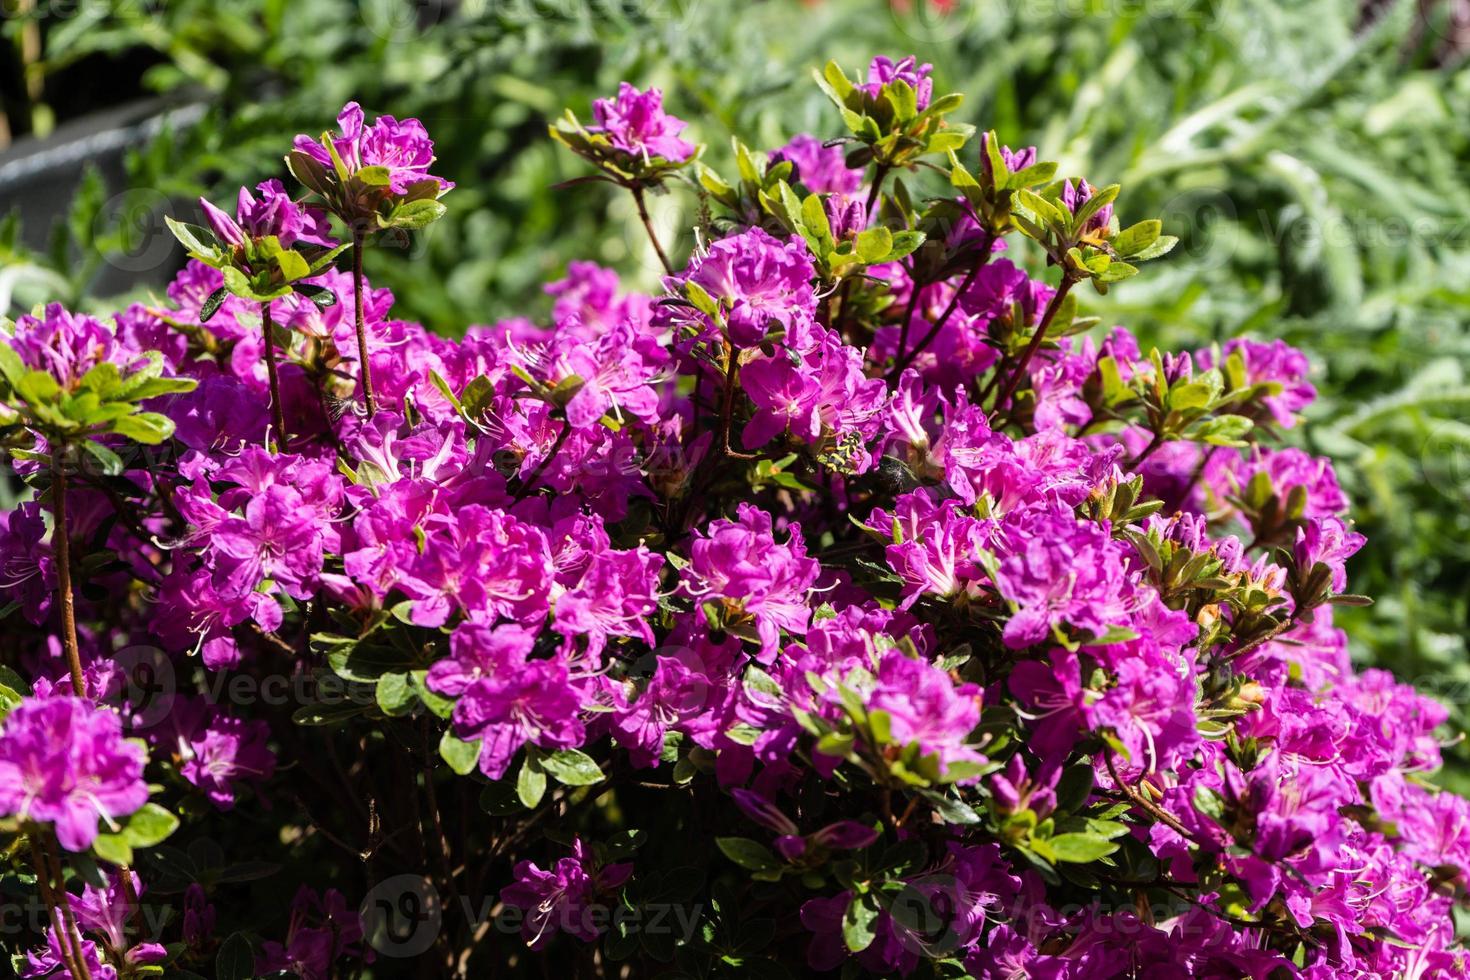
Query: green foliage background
point(1314, 157)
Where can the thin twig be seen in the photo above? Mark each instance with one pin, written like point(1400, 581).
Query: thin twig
point(904, 360)
point(365, 367)
point(1036, 338)
point(278, 416)
point(648, 227)
point(535, 477)
point(61, 549)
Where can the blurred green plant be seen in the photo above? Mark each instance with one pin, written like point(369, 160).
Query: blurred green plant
point(1313, 157)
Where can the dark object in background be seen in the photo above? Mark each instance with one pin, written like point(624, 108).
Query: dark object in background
point(40, 177)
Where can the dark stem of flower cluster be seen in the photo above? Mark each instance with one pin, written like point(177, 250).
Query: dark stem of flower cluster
point(130, 895)
point(278, 415)
point(727, 413)
point(1037, 337)
point(61, 551)
point(904, 360)
point(648, 227)
point(51, 884)
point(365, 366)
point(535, 477)
point(1137, 797)
point(877, 189)
point(1149, 450)
point(916, 288)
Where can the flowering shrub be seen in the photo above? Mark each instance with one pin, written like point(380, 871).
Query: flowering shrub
point(848, 605)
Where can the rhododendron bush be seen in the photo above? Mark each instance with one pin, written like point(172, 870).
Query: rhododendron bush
point(851, 602)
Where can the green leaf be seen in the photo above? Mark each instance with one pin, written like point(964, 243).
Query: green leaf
point(904, 243)
point(702, 300)
point(113, 849)
point(572, 767)
point(11, 366)
point(149, 826)
point(149, 428)
point(750, 855)
point(111, 463)
point(530, 782)
point(1137, 237)
point(946, 140)
point(235, 960)
point(325, 259)
point(1080, 848)
point(293, 265)
point(196, 239)
point(874, 245)
point(1161, 246)
point(1044, 210)
point(417, 214)
point(37, 388)
point(460, 755)
point(394, 694)
point(374, 176)
point(859, 921)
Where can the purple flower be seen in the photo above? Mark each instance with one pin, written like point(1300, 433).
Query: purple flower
point(275, 214)
point(478, 650)
point(615, 379)
point(485, 563)
point(322, 930)
point(404, 148)
point(819, 168)
point(50, 963)
point(679, 695)
point(1015, 160)
point(1061, 571)
point(535, 704)
point(884, 70)
point(561, 899)
point(935, 550)
point(635, 122)
point(739, 565)
point(1279, 367)
point(615, 596)
point(67, 345)
point(821, 397)
point(199, 917)
point(27, 575)
point(764, 285)
point(1074, 196)
point(1327, 540)
point(226, 752)
point(65, 762)
point(928, 709)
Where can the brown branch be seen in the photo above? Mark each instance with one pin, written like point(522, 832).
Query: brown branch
point(648, 227)
point(61, 549)
point(365, 367)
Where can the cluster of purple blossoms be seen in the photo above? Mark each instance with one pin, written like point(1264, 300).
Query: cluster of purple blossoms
point(402, 148)
point(65, 762)
point(274, 214)
point(635, 122)
point(948, 654)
